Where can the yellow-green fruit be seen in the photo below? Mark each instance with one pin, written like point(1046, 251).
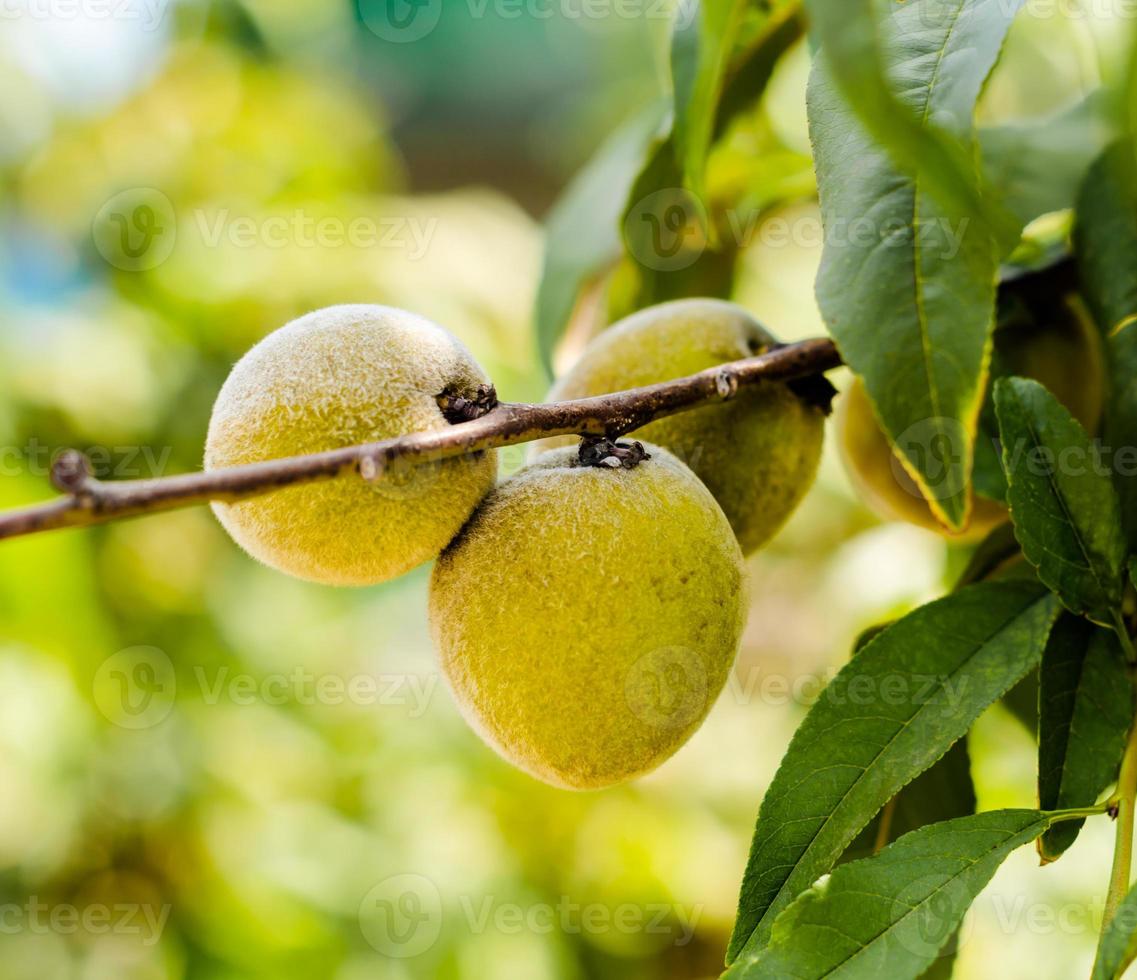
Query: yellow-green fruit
point(586, 618)
point(881, 480)
point(757, 453)
point(1064, 353)
point(337, 377)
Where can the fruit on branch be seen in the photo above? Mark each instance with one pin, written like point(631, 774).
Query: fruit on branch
point(337, 377)
point(881, 481)
point(1042, 335)
point(588, 615)
point(757, 453)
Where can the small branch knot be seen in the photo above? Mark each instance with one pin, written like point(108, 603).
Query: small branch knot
point(70, 472)
point(601, 451)
point(371, 468)
point(726, 384)
point(457, 408)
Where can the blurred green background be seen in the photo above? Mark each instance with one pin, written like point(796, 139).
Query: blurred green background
point(210, 770)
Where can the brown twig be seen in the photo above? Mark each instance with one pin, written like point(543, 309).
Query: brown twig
point(88, 500)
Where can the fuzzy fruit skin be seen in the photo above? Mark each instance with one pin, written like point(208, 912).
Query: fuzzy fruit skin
point(337, 377)
point(757, 453)
point(587, 618)
point(1065, 354)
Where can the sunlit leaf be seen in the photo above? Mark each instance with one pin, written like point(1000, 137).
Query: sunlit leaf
point(891, 915)
point(895, 709)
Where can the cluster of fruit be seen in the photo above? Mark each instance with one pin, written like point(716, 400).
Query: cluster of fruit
point(587, 609)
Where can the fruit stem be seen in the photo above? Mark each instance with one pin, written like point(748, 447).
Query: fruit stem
point(602, 452)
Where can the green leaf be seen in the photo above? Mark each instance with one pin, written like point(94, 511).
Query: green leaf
point(724, 72)
point(1066, 513)
point(939, 793)
point(719, 24)
point(871, 63)
point(673, 241)
point(583, 229)
point(765, 37)
point(1085, 709)
point(907, 279)
point(890, 915)
point(895, 709)
point(1118, 945)
point(1037, 167)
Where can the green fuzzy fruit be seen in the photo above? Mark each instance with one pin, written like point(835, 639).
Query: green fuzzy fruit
point(337, 377)
point(587, 618)
point(757, 453)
